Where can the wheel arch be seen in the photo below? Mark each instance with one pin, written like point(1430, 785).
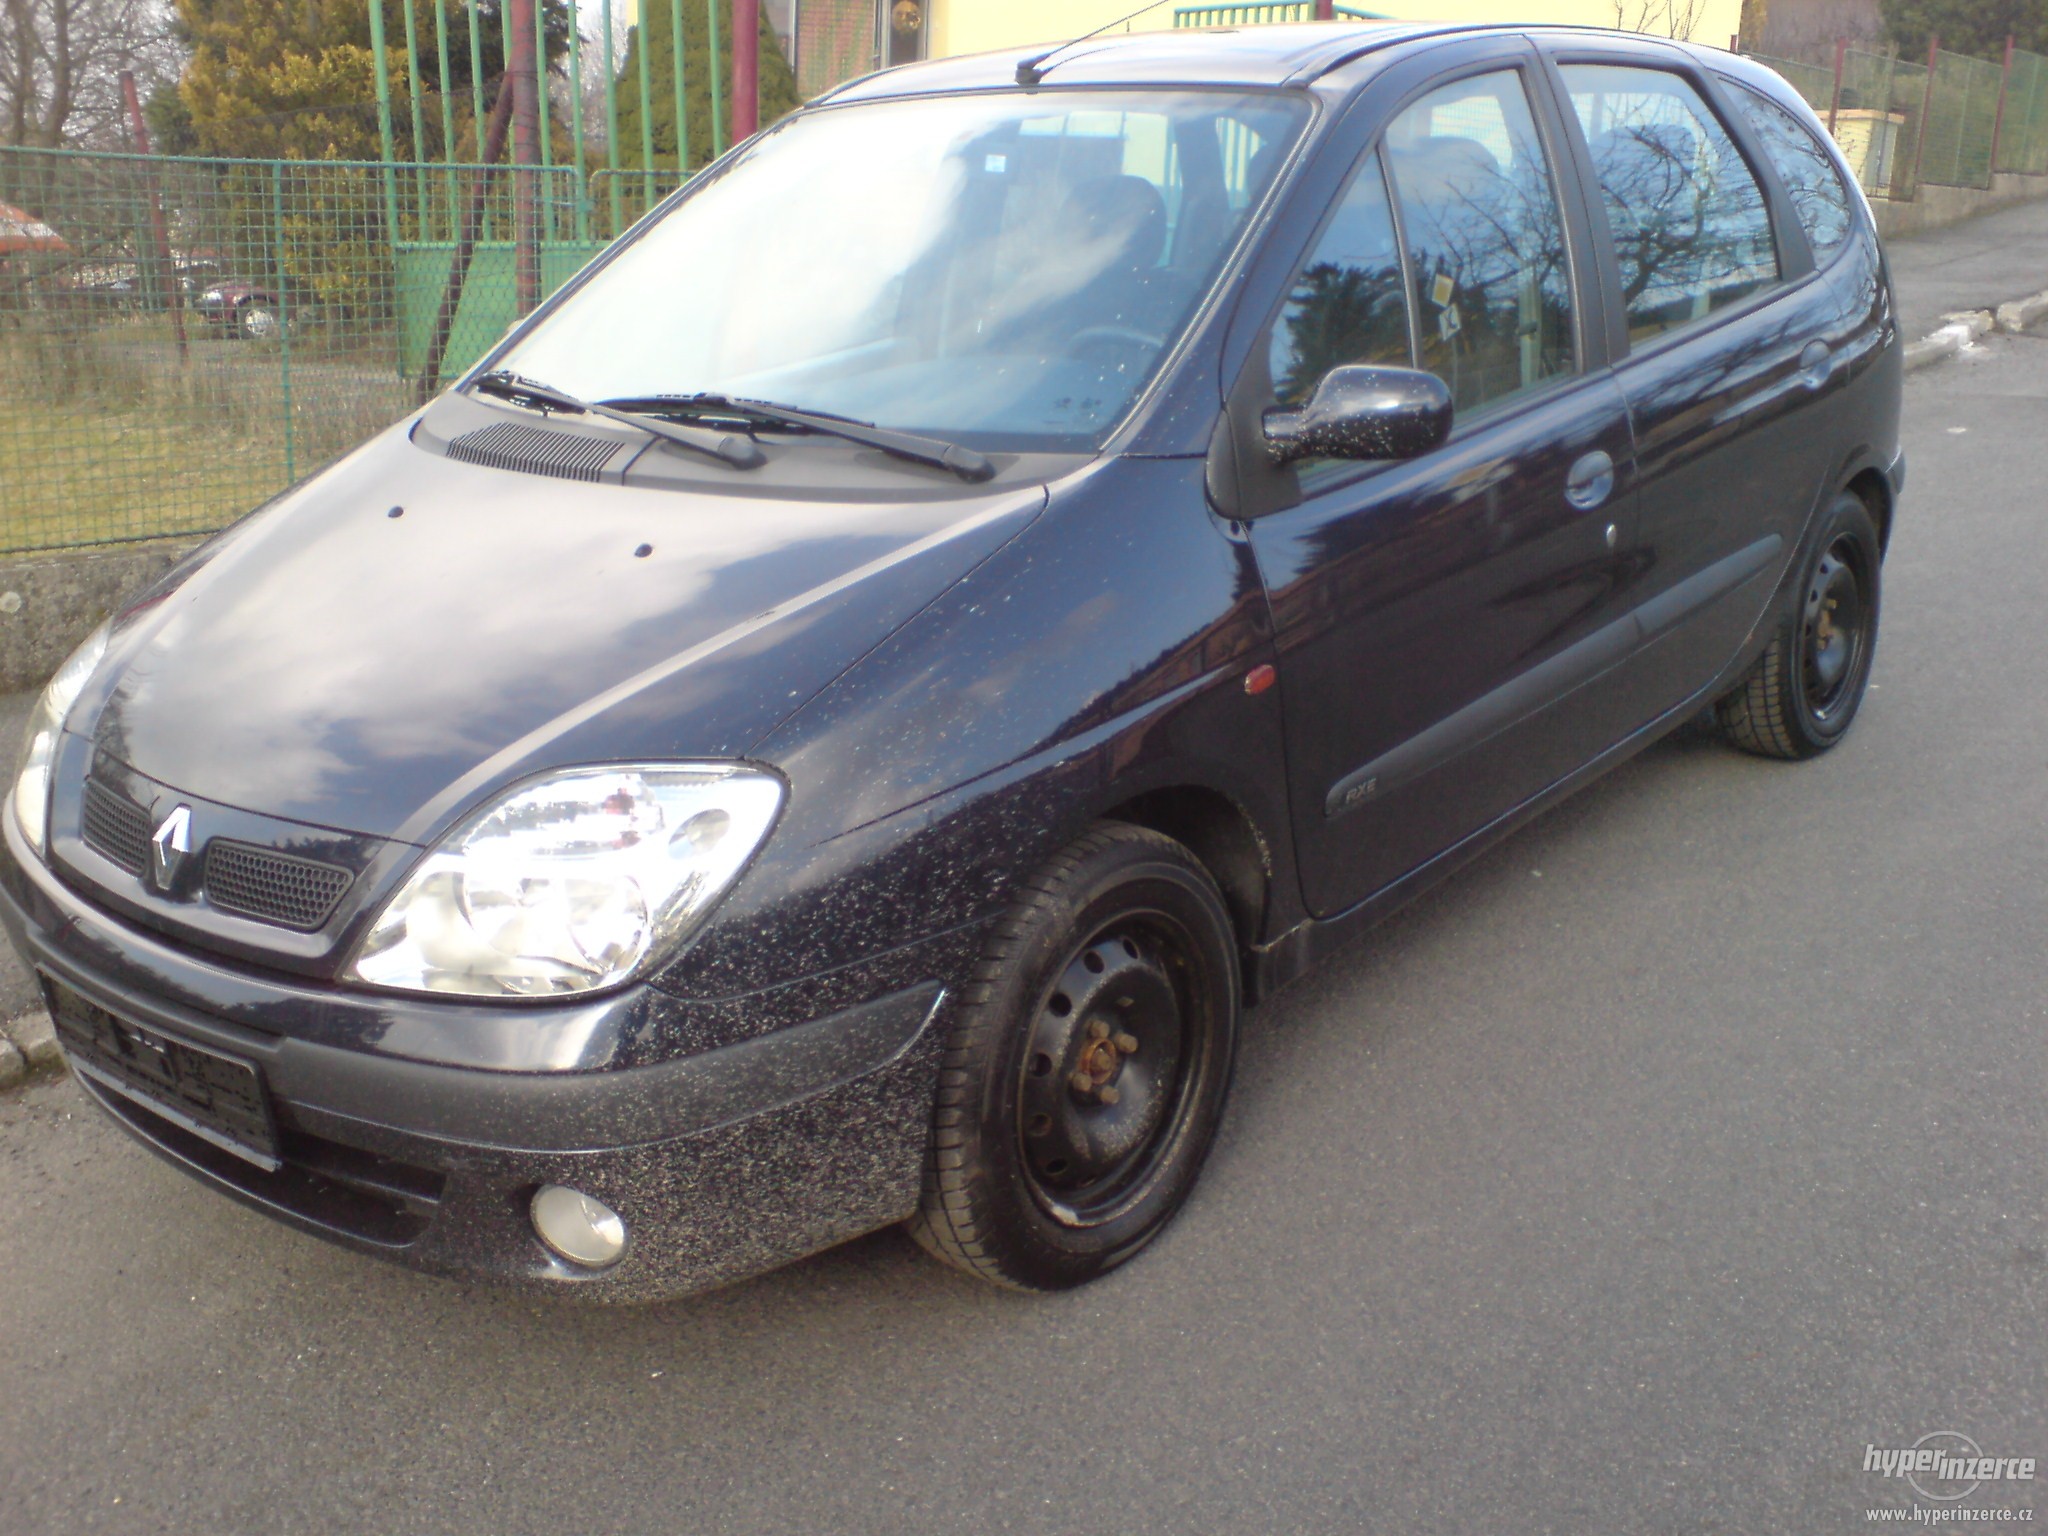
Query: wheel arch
point(1871, 486)
point(1223, 835)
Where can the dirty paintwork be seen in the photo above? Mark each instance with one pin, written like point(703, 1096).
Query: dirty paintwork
point(1330, 684)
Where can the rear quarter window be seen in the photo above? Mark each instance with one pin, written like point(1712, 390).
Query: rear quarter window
point(1805, 167)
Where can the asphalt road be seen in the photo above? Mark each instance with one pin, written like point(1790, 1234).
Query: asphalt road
point(1635, 1181)
point(1979, 263)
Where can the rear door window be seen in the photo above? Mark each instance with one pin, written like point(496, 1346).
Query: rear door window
point(1690, 226)
point(1807, 170)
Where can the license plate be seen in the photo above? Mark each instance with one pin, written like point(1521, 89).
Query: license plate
point(217, 1097)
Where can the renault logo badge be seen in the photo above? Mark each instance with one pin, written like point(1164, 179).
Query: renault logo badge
point(173, 840)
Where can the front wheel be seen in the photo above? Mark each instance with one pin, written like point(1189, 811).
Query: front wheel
point(1085, 1071)
point(1802, 694)
point(258, 321)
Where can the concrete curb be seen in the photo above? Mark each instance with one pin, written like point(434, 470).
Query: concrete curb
point(2021, 314)
point(1944, 343)
point(1961, 331)
point(28, 1048)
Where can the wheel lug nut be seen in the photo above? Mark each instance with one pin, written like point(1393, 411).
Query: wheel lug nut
point(1081, 1082)
point(1128, 1044)
point(1097, 1030)
point(1106, 1094)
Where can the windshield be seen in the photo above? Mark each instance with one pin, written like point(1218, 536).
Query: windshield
point(1003, 270)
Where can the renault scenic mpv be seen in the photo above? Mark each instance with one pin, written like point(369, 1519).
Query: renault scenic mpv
point(831, 722)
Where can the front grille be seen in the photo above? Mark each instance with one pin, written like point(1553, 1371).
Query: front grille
point(536, 450)
point(116, 828)
point(272, 887)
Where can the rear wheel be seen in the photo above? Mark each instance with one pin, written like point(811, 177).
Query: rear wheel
point(1802, 694)
point(1086, 1069)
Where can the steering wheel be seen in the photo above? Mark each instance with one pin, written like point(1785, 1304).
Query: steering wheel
point(1119, 337)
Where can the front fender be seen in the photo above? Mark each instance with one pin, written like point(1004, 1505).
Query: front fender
point(1099, 656)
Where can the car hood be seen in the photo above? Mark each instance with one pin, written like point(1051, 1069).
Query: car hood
point(382, 647)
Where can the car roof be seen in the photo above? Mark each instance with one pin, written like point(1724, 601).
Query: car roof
point(1282, 55)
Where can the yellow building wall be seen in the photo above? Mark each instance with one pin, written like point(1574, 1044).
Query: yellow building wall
point(975, 26)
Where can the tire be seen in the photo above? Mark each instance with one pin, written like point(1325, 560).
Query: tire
point(1803, 693)
point(258, 321)
point(1086, 1067)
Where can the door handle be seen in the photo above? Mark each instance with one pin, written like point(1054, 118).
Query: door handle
point(1590, 481)
point(1814, 361)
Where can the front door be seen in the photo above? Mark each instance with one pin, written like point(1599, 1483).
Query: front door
point(1443, 623)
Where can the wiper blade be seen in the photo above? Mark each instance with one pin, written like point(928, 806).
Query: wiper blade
point(964, 462)
point(739, 452)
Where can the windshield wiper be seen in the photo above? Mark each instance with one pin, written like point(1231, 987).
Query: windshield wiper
point(739, 452)
point(964, 462)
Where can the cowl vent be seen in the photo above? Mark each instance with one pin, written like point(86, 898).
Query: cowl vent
point(536, 451)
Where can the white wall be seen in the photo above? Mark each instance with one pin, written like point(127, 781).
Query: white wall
point(972, 26)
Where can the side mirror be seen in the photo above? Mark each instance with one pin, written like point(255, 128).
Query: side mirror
point(1363, 413)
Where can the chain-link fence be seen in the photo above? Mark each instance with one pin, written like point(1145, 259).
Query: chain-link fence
point(180, 339)
point(2023, 131)
point(1811, 81)
point(1962, 115)
point(1954, 124)
point(1876, 119)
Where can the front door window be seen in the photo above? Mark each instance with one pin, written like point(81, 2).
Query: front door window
point(1485, 238)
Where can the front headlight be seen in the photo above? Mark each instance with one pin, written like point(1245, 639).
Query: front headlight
point(39, 745)
point(571, 882)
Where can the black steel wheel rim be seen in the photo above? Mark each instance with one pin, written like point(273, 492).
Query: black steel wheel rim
point(1834, 630)
point(1109, 1064)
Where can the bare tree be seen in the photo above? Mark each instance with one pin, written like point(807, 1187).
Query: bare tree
point(1659, 18)
point(61, 62)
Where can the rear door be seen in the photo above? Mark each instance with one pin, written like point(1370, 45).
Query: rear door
point(1443, 623)
point(1727, 342)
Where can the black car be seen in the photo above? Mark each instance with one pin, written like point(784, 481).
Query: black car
point(639, 820)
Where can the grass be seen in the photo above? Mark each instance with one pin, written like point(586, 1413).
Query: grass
point(107, 434)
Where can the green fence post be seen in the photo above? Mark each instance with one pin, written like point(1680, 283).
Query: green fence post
point(412, 84)
point(611, 116)
point(284, 316)
point(640, 52)
point(476, 74)
point(576, 123)
point(1998, 117)
point(682, 96)
point(1926, 104)
point(540, 96)
point(384, 118)
point(447, 102)
point(717, 82)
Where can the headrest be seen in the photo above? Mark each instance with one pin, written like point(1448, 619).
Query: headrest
point(1125, 212)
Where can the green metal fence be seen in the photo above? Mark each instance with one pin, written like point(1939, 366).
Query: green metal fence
point(2023, 130)
point(180, 339)
point(1262, 14)
point(1962, 114)
point(1876, 118)
point(1811, 81)
point(1954, 122)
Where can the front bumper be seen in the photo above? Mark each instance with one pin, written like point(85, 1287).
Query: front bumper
point(724, 1163)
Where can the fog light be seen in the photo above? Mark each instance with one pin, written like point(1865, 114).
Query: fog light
point(582, 1230)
